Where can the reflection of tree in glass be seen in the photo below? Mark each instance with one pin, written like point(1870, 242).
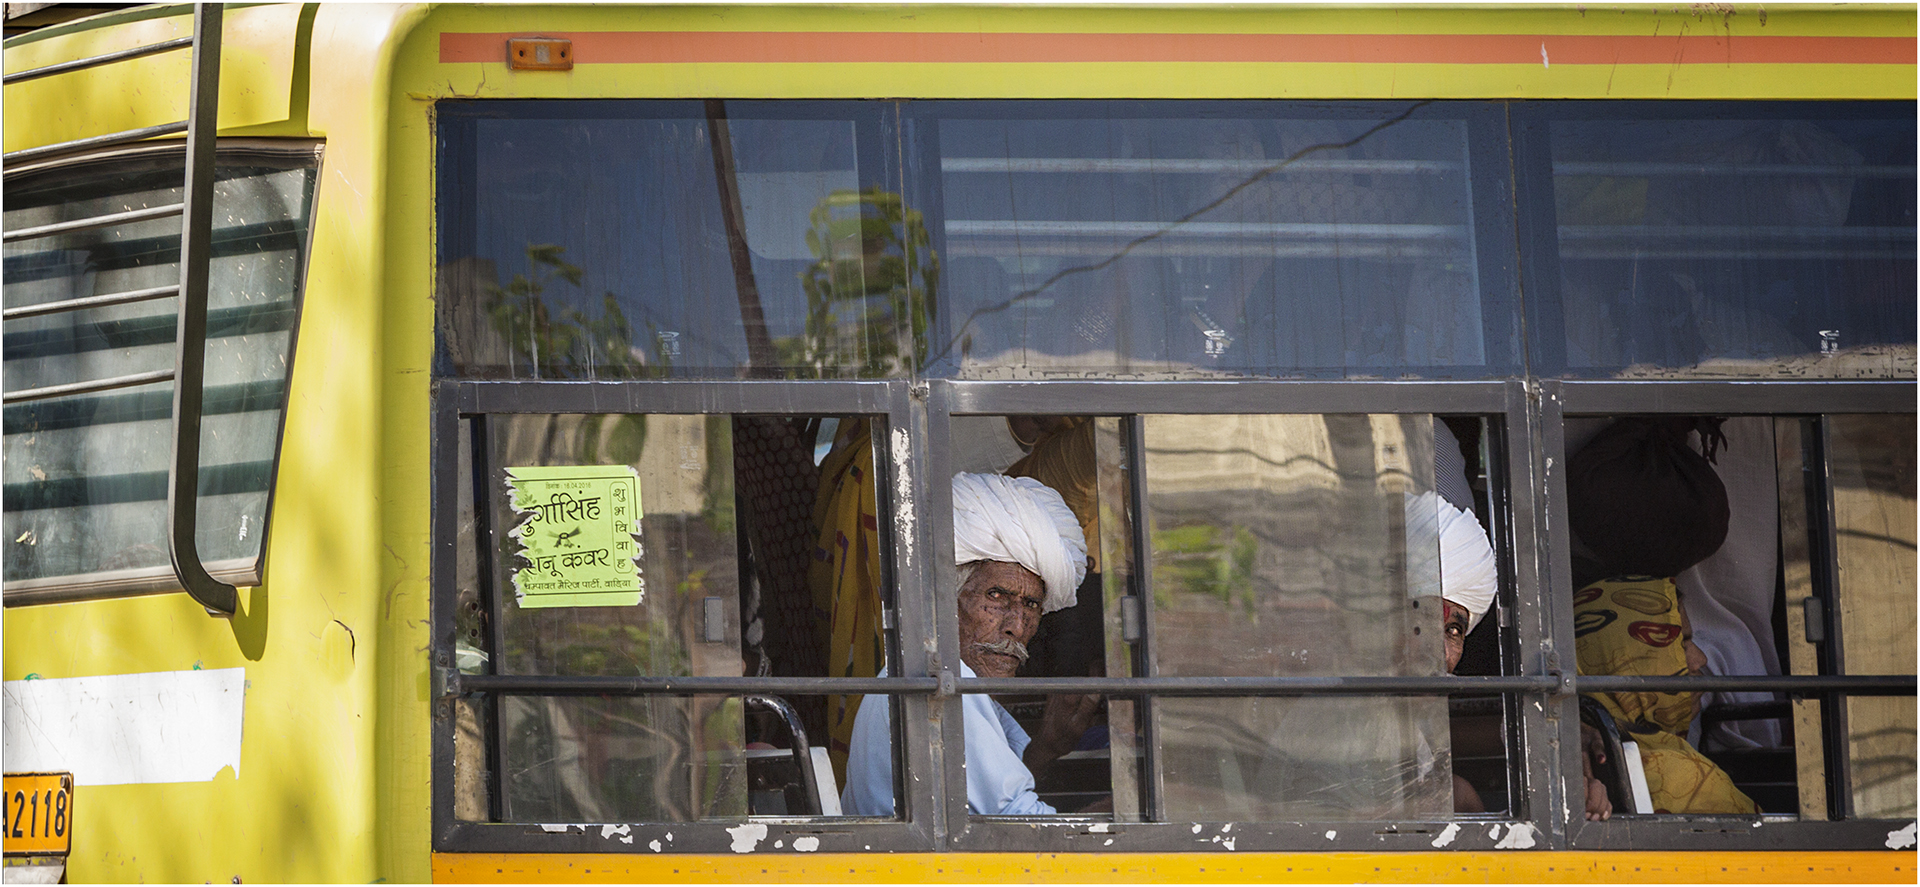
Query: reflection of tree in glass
point(570, 345)
point(1205, 559)
point(863, 282)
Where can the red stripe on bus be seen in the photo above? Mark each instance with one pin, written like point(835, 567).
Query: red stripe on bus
point(628, 47)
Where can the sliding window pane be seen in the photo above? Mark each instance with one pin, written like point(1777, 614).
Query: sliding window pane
point(626, 240)
point(1872, 464)
point(1295, 546)
point(665, 545)
point(1749, 246)
point(1193, 239)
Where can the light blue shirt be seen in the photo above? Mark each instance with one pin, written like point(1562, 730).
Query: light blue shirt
point(998, 783)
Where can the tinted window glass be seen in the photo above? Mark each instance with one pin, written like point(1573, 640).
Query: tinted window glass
point(627, 240)
point(1272, 239)
point(1778, 248)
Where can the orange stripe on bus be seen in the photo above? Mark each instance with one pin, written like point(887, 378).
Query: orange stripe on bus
point(629, 47)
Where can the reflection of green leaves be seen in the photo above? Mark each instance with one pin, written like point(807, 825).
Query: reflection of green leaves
point(716, 509)
point(616, 439)
point(567, 343)
point(874, 269)
point(1207, 560)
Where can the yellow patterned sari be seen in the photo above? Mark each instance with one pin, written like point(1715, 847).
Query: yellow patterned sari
point(1631, 626)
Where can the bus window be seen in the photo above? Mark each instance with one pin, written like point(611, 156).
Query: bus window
point(86, 474)
point(633, 241)
point(1293, 546)
point(663, 545)
point(1813, 576)
point(1754, 244)
point(1209, 239)
point(1870, 461)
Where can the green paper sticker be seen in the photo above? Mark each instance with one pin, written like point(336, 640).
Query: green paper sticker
point(579, 534)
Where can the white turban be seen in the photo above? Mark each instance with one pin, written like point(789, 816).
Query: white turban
point(1468, 574)
point(1023, 521)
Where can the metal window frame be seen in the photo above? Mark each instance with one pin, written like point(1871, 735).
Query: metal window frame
point(1506, 400)
point(238, 572)
point(936, 819)
point(887, 402)
point(1561, 399)
point(1543, 746)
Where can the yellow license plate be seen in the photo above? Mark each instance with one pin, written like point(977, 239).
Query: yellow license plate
point(39, 814)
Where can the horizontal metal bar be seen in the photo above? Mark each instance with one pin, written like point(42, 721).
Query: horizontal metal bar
point(1772, 252)
point(976, 247)
point(95, 61)
point(1251, 686)
point(873, 838)
point(829, 398)
point(106, 141)
point(1746, 711)
point(1626, 168)
point(1189, 165)
point(135, 215)
point(1722, 398)
point(243, 572)
point(1856, 685)
point(1678, 834)
point(541, 685)
point(1120, 397)
point(1667, 235)
point(89, 387)
point(1258, 230)
point(101, 301)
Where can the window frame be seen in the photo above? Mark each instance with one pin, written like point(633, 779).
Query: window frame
point(1503, 400)
point(1527, 493)
point(887, 402)
point(1562, 399)
point(239, 572)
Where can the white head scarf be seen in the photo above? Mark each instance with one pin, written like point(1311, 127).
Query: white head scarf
point(1023, 521)
point(1468, 573)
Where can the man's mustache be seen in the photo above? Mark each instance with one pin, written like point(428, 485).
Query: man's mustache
point(1005, 647)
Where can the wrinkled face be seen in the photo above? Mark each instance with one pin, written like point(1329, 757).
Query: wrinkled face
point(1455, 630)
point(999, 612)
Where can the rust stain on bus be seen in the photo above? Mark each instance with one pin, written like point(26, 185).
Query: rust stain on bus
point(721, 47)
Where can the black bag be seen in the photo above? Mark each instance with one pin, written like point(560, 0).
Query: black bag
point(1643, 502)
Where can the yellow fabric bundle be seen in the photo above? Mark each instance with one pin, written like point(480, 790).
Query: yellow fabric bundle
point(1631, 626)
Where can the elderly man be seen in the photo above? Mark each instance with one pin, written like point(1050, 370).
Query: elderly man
point(1021, 554)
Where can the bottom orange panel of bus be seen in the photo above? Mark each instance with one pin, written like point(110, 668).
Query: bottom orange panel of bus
point(1849, 867)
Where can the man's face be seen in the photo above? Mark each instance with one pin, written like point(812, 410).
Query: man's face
point(999, 612)
point(1455, 631)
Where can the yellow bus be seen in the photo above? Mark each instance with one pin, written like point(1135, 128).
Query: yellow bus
point(568, 395)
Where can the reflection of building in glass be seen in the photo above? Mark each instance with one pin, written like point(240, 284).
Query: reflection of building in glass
point(1281, 549)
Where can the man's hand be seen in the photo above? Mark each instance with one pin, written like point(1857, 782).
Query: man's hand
point(1068, 716)
point(1593, 750)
